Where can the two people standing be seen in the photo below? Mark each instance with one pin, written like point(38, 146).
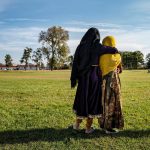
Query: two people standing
point(95, 96)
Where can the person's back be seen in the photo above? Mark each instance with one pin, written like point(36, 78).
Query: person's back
point(109, 62)
point(111, 102)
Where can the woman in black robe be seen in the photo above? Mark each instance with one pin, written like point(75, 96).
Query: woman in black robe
point(86, 72)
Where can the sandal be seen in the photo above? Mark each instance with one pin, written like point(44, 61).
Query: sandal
point(89, 131)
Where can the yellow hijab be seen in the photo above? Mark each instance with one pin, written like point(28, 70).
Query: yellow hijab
point(109, 62)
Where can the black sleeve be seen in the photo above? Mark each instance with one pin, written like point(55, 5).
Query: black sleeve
point(107, 50)
point(74, 72)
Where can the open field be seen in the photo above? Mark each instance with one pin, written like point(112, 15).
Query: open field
point(36, 109)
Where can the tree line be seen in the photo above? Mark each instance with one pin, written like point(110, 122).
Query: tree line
point(55, 50)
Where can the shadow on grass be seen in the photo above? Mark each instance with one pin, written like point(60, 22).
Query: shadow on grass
point(54, 135)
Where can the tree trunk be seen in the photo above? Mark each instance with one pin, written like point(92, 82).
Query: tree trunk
point(26, 65)
point(52, 63)
point(48, 62)
point(52, 60)
point(49, 65)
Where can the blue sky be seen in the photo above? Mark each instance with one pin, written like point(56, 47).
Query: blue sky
point(22, 20)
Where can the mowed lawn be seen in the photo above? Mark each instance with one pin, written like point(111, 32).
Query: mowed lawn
point(36, 110)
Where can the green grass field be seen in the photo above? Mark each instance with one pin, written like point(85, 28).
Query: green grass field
point(36, 109)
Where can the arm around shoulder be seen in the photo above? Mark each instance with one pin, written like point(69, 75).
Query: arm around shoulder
point(108, 50)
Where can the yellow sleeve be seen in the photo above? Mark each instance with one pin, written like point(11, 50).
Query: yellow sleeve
point(109, 62)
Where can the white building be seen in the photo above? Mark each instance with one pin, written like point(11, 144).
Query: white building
point(18, 67)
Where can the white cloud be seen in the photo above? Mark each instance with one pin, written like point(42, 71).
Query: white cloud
point(126, 39)
point(95, 24)
point(76, 30)
point(133, 39)
point(141, 6)
point(14, 40)
point(81, 30)
point(73, 45)
point(26, 19)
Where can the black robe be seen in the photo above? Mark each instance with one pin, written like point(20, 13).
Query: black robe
point(87, 101)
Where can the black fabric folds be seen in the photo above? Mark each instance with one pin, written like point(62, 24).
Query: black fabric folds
point(81, 61)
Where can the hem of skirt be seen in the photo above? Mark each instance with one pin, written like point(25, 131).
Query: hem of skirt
point(88, 116)
point(119, 128)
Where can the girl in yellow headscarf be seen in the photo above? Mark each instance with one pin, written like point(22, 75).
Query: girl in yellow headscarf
point(110, 65)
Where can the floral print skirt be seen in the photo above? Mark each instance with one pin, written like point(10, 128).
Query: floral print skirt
point(112, 116)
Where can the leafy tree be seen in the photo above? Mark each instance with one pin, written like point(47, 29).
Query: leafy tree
point(132, 60)
point(47, 54)
point(55, 46)
point(139, 59)
point(148, 60)
point(26, 56)
point(70, 60)
point(42, 65)
point(37, 57)
point(8, 60)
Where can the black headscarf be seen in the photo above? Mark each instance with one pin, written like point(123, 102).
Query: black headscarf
point(83, 52)
point(86, 47)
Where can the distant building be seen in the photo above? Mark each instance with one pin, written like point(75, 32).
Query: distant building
point(29, 67)
point(4, 67)
point(18, 67)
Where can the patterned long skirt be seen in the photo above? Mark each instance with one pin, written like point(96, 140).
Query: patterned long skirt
point(112, 116)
